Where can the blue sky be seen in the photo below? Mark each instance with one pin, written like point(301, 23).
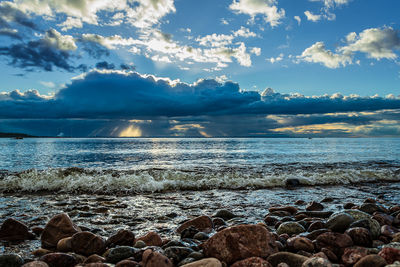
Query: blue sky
point(315, 58)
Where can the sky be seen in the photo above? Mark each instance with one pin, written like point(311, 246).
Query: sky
point(189, 68)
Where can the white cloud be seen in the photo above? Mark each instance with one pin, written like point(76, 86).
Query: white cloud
point(267, 8)
point(312, 17)
point(318, 54)
point(276, 59)
point(59, 41)
point(71, 23)
point(298, 19)
point(139, 13)
point(256, 51)
point(244, 32)
point(332, 3)
point(377, 43)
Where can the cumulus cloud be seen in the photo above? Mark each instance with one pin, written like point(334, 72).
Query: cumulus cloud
point(312, 17)
point(111, 94)
point(317, 53)
point(332, 3)
point(276, 59)
point(376, 43)
point(298, 19)
point(266, 8)
point(53, 50)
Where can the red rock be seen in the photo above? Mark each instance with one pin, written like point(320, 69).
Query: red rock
point(154, 259)
point(314, 206)
point(121, 238)
point(13, 230)
point(240, 242)
point(87, 243)
point(202, 223)
point(353, 254)
point(371, 261)
point(127, 263)
point(59, 227)
point(151, 239)
point(252, 262)
point(94, 258)
point(59, 260)
point(335, 242)
point(291, 259)
point(290, 209)
point(390, 254)
point(300, 243)
point(360, 236)
point(36, 264)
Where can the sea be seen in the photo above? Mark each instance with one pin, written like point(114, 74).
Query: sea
point(136, 165)
point(154, 184)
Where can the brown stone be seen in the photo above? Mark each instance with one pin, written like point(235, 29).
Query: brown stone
point(290, 209)
point(300, 243)
point(240, 242)
point(353, 254)
point(59, 227)
point(388, 230)
point(154, 259)
point(94, 258)
point(13, 230)
point(252, 262)
point(208, 262)
point(36, 264)
point(383, 219)
point(291, 259)
point(335, 242)
point(123, 237)
point(151, 239)
point(96, 264)
point(371, 261)
point(37, 230)
point(360, 236)
point(65, 245)
point(396, 237)
point(314, 206)
point(87, 243)
point(59, 260)
point(127, 263)
point(40, 252)
point(316, 226)
point(331, 256)
point(317, 262)
point(390, 254)
point(202, 223)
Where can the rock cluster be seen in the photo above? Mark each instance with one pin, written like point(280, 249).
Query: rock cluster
point(294, 236)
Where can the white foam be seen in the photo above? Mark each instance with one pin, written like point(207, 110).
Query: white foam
point(97, 181)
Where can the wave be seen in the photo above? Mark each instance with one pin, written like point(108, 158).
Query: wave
point(74, 180)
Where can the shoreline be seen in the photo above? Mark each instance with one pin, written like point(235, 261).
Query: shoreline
point(163, 213)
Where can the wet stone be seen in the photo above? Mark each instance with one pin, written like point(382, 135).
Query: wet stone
point(123, 237)
point(339, 222)
point(225, 214)
point(291, 259)
point(10, 260)
point(59, 260)
point(314, 206)
point(120, 253)
point(290, 228)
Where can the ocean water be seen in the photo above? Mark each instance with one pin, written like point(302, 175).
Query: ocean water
point(134, 165)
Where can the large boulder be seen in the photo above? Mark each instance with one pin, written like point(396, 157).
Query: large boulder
point(59, 260)
point(151, 239)
point(59, 227)
point(87, 243)
point(240, 242)
point(13, 230)
point(371, 260)
point(154, 259)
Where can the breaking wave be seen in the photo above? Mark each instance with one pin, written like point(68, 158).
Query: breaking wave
point(72, 180)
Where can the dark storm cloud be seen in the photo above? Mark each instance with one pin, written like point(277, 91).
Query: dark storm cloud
point(37, 54)
point(10, 14)
point(119, 95)
point(105, 65)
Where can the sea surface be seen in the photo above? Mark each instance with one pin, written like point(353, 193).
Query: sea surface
point(137, 165)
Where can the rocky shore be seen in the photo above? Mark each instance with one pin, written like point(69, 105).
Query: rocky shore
point(303, 234)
